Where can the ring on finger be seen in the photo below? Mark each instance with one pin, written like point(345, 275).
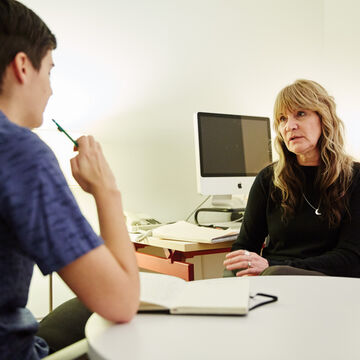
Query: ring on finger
point(249, 264)
point(246, 253)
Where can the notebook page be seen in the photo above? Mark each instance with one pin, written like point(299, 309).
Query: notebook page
point(214, 296)
point(159, 289)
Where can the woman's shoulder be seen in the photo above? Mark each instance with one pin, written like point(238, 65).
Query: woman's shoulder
point(265, 176)
point(267, 172)
point(356, 167)
point(353, 191)
point(356, 172)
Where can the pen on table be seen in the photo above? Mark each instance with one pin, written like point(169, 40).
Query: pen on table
point(62, 130)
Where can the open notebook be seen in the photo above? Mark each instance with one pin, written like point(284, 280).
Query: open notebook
point(182, 230)
point(224, 296)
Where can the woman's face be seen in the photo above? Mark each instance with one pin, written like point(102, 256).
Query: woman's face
point(301, 130)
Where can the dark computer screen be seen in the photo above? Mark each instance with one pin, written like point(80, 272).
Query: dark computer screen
point(233, 145)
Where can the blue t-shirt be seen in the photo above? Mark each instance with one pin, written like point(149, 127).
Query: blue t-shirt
point(40, 222)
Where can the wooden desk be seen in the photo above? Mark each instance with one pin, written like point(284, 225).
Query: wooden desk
point(315, 318)
point(175, 255)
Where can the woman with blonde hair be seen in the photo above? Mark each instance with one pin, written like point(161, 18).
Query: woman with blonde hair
point(307, 204)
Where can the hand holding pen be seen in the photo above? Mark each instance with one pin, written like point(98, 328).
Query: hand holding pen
point(90, 168)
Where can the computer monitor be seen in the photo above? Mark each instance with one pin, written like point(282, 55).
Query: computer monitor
point(230, 151)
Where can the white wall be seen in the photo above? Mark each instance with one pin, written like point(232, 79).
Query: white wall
point(132, 73)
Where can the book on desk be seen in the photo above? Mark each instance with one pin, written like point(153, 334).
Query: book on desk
point(185, 231)
point(165, 293)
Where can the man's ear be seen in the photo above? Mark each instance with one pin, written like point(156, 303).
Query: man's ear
point(20, 66)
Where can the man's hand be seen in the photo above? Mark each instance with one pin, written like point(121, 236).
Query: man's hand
point(90, 168)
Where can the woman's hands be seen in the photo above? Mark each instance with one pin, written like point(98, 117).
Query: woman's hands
point(90, 168)
point(251, 263)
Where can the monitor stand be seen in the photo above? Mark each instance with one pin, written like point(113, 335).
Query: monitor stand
point(227, 201)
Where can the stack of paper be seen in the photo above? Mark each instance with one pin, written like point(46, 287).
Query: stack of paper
point(185, 231)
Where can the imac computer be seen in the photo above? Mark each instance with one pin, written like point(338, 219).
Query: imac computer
point(230, 151)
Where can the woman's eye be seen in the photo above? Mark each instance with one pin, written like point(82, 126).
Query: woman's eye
point(301, 113)
point(282, 118)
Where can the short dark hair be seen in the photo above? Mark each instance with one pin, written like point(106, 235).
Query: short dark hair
point(22, 30)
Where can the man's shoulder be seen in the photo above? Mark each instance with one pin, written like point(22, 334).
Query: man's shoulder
point(20, 147)
point(13, 136)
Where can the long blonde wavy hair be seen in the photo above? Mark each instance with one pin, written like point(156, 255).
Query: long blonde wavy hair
point(335, 170)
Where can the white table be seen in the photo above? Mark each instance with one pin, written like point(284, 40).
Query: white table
point(314, 318)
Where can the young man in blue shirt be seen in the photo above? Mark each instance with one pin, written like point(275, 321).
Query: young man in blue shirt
point(40, 221)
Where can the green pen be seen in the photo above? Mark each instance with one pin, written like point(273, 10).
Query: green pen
point(62, 130)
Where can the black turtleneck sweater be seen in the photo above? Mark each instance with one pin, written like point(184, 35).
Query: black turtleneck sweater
point(306, 241)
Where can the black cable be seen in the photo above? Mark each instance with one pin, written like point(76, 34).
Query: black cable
point(273, 298)
point(203, 202)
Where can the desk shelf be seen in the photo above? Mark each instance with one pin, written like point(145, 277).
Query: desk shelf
point(175, 255)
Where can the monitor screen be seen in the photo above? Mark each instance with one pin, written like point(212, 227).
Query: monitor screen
point(230, 151)
point(233, 145)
